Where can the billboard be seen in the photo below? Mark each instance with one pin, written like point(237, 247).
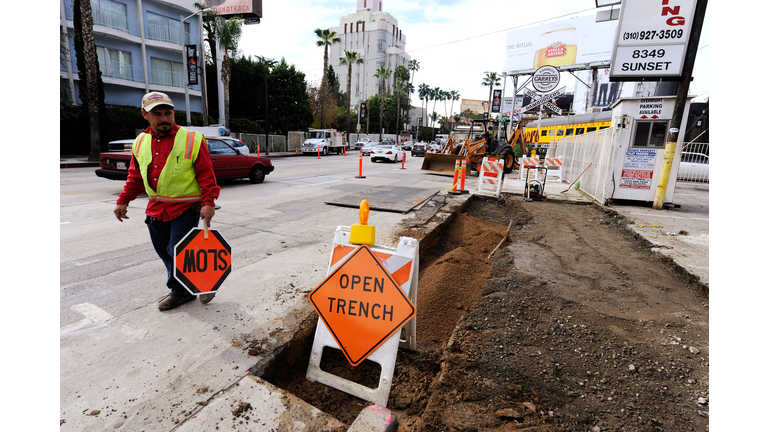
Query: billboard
point(475, 105)
point(573, 41)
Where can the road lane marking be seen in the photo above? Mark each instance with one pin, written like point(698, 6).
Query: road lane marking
point(315, 184)
point(95, 315)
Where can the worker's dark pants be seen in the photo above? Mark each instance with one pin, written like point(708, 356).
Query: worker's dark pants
point(164, 237)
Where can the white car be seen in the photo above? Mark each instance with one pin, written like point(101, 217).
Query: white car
point(361, 143)
point(435, 146)
point(236, 143)
point(693, 167)
point(388, 152)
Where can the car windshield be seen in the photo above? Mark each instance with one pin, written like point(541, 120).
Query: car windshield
point(370, 145)
point(317, 135)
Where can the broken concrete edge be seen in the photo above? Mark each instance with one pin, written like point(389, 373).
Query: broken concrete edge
point(374, 418)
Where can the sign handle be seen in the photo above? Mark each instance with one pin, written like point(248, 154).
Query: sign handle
point(205, 226)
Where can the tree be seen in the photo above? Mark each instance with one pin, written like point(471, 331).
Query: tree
point(383, 73)
point(424, 92)
point(90, 75)
point(413, 66)
point(326, 38)
point(491, 80)
point(454, 97)
point(228, 39)
point(436, 94)
point(226, 33)
point(289, 107)
point(350, 58)
point(401, 76)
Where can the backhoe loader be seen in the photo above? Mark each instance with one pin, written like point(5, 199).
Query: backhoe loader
point(473, 149)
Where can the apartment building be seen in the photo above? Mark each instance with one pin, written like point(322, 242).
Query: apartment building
point(140, 47)
point(377, 37)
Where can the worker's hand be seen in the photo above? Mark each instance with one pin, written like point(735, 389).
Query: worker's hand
point(207, 213)
point(121, 212)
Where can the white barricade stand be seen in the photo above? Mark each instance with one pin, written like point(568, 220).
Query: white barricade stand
point(554, 167)
point(491, 177)
point(403, 264)
point(525, 162)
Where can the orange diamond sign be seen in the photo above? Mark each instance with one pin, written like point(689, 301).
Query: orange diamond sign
point(361, 304)
point(201, 264)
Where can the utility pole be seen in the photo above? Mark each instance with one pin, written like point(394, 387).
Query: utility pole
point(682, 94)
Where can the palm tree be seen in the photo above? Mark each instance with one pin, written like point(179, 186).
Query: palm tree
point(228, 39)
point(91, 76)
point(401, 76)
point(326, 38)
point(454, 97)
point(491, 80)
point(424, 95)
point(383, 73)
point(350, 58)
point(436, 96)
point(225, 33)
point(446, 95)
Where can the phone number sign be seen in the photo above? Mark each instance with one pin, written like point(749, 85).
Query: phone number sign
point(651, 39)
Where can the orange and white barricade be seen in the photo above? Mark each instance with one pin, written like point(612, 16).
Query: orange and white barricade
point(554, 167)
point(491, 177)
point(526, 162)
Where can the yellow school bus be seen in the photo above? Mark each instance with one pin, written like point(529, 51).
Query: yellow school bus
point(559, 127)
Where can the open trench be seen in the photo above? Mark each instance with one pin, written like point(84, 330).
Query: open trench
point(454, 268)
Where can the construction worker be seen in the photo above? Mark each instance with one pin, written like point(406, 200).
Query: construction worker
point(172, 165)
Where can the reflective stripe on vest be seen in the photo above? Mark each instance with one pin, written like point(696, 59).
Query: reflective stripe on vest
point(177, 182)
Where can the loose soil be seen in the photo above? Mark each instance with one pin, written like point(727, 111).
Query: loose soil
point(572, 325)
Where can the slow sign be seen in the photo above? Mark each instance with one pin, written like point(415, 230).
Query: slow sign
point(202, 262)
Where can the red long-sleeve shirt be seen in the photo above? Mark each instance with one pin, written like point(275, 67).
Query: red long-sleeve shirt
point(161, 148)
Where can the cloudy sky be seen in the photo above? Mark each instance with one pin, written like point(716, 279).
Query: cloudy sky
point(455, 41)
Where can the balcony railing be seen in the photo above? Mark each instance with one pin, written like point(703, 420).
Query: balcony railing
point(105, 18)
point(126, 71)
point(170, 35)
point(167, 78)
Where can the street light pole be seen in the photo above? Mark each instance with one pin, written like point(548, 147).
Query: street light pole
point(186, 73)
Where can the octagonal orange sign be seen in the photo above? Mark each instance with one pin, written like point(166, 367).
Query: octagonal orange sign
point(361, 304)
point(201, 264)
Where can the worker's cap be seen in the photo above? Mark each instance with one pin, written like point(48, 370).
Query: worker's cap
point(155, 99)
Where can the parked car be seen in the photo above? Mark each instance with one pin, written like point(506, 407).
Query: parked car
point(388, 152)
point(407, 145)
point(360, 143)
point(236, 143)
point(693, 167)
point(435, 146)
point(228, 163)
point(368, 148)
point(120, 145)
point(418, 149)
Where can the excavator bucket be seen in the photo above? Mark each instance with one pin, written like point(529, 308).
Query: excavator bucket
point(438, 162)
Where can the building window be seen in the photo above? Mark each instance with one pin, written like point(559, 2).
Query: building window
point(109, 13)
point(115, 63)
point(651, 133)
point(166, 72)
point(165, 29)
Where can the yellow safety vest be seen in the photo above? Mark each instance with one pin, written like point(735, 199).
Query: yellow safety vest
point(177, 182)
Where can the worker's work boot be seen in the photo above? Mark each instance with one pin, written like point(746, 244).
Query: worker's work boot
point(174, 300)
point(206, 298)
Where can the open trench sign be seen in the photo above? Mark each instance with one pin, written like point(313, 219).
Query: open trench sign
point(201, 264)
point(361, 304)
